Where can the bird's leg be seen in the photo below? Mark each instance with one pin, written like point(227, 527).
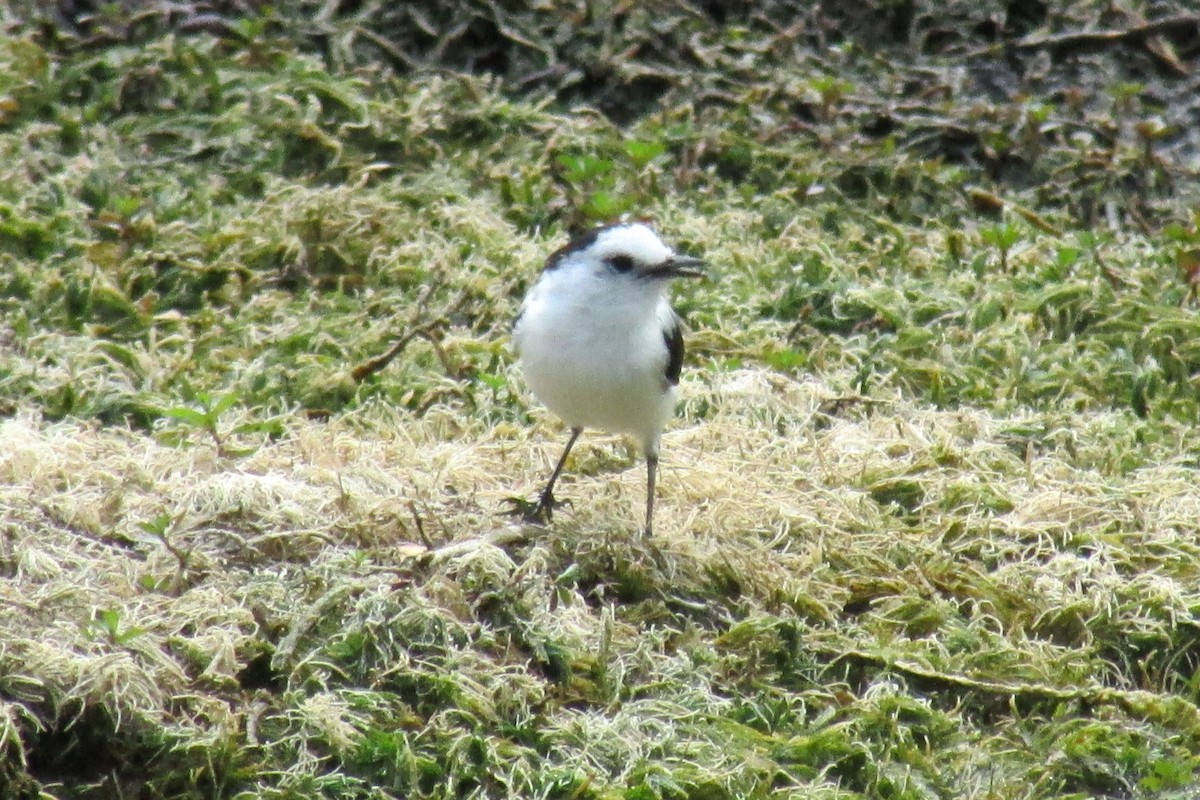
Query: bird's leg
point(543, 511)
point(651, 476)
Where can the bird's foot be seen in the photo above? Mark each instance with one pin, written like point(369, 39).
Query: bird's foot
point(535, 511)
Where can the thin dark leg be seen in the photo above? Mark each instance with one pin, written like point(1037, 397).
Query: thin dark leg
point(651, 476)
point(544, 510)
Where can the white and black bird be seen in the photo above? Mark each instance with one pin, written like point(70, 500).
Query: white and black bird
point(600, 345)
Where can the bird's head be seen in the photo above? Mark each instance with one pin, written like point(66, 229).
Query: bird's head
point(631, 249)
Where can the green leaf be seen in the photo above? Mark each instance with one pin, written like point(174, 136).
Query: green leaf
point(494, 382)
point(157, 526)
point(224, 404)
point(125, 205)
point(127, 635)
point(274, 427)
point(107, 620)
point(642, 153)
point(604, 205)
point(188, 415)
point(238, 452)
point(1001, 236)
point(123, 356)
point(584, 168)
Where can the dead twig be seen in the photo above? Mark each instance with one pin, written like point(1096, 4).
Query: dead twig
point(420, 324)
point(1139, 703)
point(1070, 40)
point(371, 366)
point(986, 202)
point(387, 47)
point(412, 509)
point(1111, 275)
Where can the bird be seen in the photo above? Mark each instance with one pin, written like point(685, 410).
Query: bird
point(600, 345)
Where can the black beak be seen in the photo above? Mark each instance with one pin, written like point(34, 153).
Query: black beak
point(678, 267)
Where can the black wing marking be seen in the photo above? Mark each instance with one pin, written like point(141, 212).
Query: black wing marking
point(673, 336)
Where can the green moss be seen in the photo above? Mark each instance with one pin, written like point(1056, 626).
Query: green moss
point(957, 582)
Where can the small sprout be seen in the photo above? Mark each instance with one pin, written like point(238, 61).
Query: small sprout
point(107, 623)
point(581, 169)
point(151, 583)
point(831, 91)
point(787, 359)
point(158, 526)
point(1124, 94)
point(593, 183)
point(1039, 113)
point(493, 382)
point(996, 143)
point(159, 529)
point(1128, 89)
point(1003, 237)
point(208, 418)
point(642, 153)
point(1067, 256)
point(1036, 124)
point(605, 205)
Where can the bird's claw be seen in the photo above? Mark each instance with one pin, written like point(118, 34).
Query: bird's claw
point(535, 511)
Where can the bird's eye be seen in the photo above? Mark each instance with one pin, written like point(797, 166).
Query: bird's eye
point(621, 263)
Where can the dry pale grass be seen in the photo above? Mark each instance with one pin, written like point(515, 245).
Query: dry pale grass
point(977, 579)
point(900, 538)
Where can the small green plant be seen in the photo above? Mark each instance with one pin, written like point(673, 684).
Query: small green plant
point(585, 168)
point(1168, 773)
point(159, 529)
point(106, 623)
point(641, 154)
point(593, 183)
point(606, 188)
point(831, 91)
point(1066, 256)
point(786, 359)
point(1125, 96)
point(1003, 237)
point(208, 419)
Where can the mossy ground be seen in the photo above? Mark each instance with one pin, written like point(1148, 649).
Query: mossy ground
point(928, 512)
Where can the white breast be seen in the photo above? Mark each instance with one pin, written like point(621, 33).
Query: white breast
point(591, 348)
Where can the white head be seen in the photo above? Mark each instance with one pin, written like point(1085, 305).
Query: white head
point(632, 250)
